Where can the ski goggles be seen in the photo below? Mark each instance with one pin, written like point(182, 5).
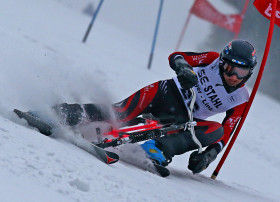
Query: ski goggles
point(240, 72)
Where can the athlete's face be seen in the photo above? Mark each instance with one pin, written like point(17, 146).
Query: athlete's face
point(232, 80)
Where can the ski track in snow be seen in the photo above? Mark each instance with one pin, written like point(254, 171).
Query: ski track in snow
point(82, 176)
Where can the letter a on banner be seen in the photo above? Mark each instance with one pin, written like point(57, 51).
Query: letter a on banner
point(265, 8)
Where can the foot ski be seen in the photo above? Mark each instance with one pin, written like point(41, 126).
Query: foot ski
point(33, 121)
point(105, 156)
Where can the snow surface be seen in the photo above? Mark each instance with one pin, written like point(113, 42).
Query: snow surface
point(43, 62)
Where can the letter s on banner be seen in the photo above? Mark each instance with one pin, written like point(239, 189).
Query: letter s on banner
point(265, 8)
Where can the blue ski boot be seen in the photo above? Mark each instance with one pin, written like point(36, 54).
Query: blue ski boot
point(154, 153)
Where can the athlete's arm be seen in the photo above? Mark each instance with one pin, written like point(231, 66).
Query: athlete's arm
point(192, 58)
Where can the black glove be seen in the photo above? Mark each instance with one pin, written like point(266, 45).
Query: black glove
point(186, 76)
point(199, 162)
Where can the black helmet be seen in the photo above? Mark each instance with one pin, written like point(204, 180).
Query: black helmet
point(239, 53)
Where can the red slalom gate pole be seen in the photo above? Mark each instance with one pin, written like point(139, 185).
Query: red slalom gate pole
point(254, 91)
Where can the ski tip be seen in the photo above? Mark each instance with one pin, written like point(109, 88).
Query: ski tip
point(43, 127)
point(18, 112)
point(112, 158)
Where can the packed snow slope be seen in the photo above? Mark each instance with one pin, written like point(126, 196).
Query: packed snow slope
point(43, 62)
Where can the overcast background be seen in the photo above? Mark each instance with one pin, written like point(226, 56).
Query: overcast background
point(174, 14)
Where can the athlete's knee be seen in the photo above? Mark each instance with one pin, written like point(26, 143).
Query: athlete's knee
point(216, 129)
point(175, 144)
point(209, 132)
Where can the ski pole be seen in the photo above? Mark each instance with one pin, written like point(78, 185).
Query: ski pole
point(155, 35)
point(92, 20)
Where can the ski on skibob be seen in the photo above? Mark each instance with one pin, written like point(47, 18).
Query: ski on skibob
point(96, 150)
point(103, 155)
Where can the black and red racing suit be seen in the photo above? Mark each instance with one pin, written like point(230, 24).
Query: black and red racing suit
point(163, 99)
